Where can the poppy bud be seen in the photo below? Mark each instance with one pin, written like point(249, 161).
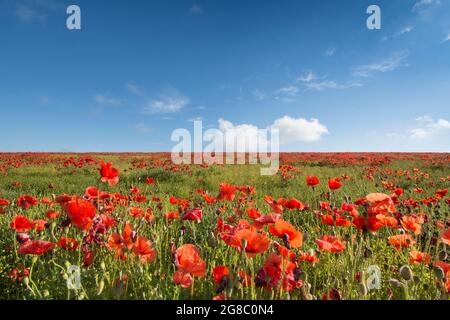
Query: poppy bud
point(244, 244)
point(45, 293)
point(23, 237)
point(101, 285)
point(439, 272)
point(103, 266)
point(406, 273)
point(26, 281)
point(395, 283)
point(363, 289)
point(88, 258)
point(442, 255)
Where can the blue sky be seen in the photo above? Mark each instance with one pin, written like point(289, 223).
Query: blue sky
point(137, 70)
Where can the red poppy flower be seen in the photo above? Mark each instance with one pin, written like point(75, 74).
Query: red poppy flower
point(294, 204)
point(21, 224)
point(136, 212)
point(401, 241)
point(287, 232)
point(149, 180)
point(52, 214)
point(419, 257)
point(334, 183)
point(109, 174)
point(184, 279)
point(188, 260)
point(172, 215)
point(194, 214)
point(27, 201)
point(226, 192)
point(330, 244)
point(266, 219)
point(380, 203)
point(277, 206)
point(4, 202)
point(312, 181)
point(277, 269)
point(254, 242)
point(68, 244)
point(91, 193)
point(81, 213)
point(253, 213)
point(411, 223)
point(36, 247)
point(219, 273)
point(143, 248)
point(308, 257)
point(39, 225)
point(445, 237)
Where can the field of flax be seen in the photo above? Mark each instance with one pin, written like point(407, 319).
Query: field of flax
point(327, 226)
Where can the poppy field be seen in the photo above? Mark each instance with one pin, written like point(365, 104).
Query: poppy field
point(327, 226)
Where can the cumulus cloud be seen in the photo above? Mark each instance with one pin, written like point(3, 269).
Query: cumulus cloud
point(293, 130)
point(428, 127)
point(389, 64)
point(169, 103)
point(248, 137)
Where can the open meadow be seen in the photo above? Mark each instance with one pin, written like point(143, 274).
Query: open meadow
point(136, 226)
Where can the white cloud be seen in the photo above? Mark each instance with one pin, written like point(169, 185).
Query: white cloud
point(312, 82)
point(403, 31)
point(447, 38)
point(289, 90)
point(330, 84)
point(307, 77)
point(389, 64)
point(296, 130)
point(291, 130)
point(106, 100)
point(196, 9)
point(171, 103)
point(422, 5)
point(428, 127)
point(330, 52)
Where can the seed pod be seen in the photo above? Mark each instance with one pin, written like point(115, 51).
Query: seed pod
point(439, 273)
point(416, 279)
point(406, 273)
point(395, 283)
point(442, 255)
